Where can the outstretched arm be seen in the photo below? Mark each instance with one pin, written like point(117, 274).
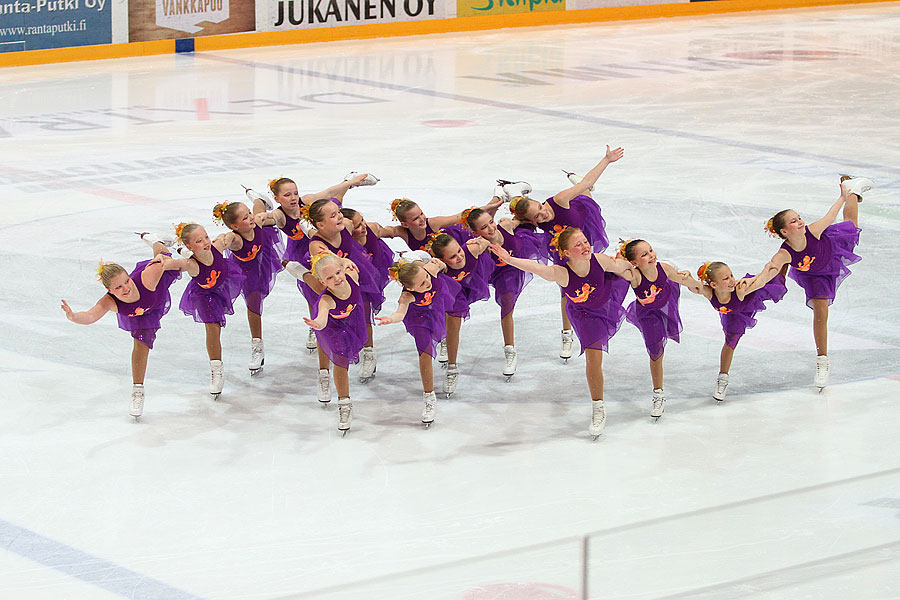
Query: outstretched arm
point(819, 226)
point(450, 220)
point(336, 191)
point(682, 278)
point(751, 284)
point(477, 246)
point(400, 313)
point(388, 231)
point(553, 273)
point(583, 187)
point(86, 317)
point(616, 266)
point(326, 303)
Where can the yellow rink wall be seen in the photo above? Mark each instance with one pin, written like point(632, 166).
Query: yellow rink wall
point(378, 30)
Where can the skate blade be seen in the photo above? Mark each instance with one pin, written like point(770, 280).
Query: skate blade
point(344, 432)
point(428, 424)
point(443, 364)
point(594, 438)
point(214, 395)
point(655, 419)
point(565, 359)
point(324, 403)
point(136, 418)
point(448, 394)
point(821, 390)
point(508, 377)
point(311, 350)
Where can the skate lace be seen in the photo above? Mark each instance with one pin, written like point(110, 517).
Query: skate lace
point(510, 356)
point(344, 412)
point(598, 416)
point(324, 384)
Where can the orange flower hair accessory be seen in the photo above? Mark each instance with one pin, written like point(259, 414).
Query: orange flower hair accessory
point(394, 206)
point(315, 259)
point(100, 267)
point(702, 274)
point(394, 269)
point(554, 242)
point(304, 212)
point(219, 212)
point(179, 229)
point(464, 216)
point(770, 228)
point(272, 183)
point(514, 202)
point(430, 241)
point(620, 248)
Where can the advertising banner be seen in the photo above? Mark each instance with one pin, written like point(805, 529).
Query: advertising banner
point(170, 19)
point(476, 8)
point(304, 14)
point(42, 24)
point(586, 4)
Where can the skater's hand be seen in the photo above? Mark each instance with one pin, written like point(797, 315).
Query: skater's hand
point(614, 155)
point(356, 181)
point(70, 314)
point(441, 265)
point(315, 325)
point(384, 320)
point(500, 252)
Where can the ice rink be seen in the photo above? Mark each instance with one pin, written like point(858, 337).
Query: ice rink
point(779, 492)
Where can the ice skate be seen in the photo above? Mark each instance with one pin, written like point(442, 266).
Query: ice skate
point(257, 356)
point(450, 381)
point(509, 366)
point(254, 195)
point(369, 180)
point(170, 241)
point(137, 401)
point(721, 386)
point(428, 410)
point(345, 415)
point(598, 419)
point(856, 185)
point(659, 403)
point(823, 369)
point(323, 389)
point(296, 270)
point(442, 353)
point(515, 188)
point(311, 343)
point(216, 378)
point(568, 342)
point(576, 179)
point(367, 368)
point(499, 192)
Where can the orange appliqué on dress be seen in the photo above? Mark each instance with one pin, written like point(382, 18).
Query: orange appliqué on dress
point(426, 299)
point(211, 280)
point(650, 296)
point(140, 310)
point(581, 295)
point(297, 233)
point(344, 313)
point(806, 263)
point(460, 276)
point(724, 310)
point(253, 252)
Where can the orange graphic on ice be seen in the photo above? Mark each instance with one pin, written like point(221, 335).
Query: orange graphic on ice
point(650, 295)
point(426, 299)
point(297, 233)
point(724, 310)
point(211, 280)
point(344, 313)
point(140, 310)
point(806, 263)
point(253, 252)
point(461, 275)
point(581, 295)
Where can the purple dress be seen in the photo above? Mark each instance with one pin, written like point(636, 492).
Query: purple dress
point(582, 213)
point(260, 261)
point(508, 281)
point(369, 279)
point(381, 256)
point(595, 305)
point(821, 267)
point(297, 241)
point(419, 244)
point(425, 317)
point(142, 318)
point(473, 281)
point(737, 316)
point(655, 312)
point(345, 333)
point(210, 295)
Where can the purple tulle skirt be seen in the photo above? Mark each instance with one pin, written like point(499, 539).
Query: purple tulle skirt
point(427, 324)
point(381, 256)
point(737, 322)
point(342, 339)
point(843, 238)
point(143, 328)
point(296, 249)
point(508, 282)
point(595, 327)
point(211, 305)
point(473, 287)
point(260, 273)
point(657, 323)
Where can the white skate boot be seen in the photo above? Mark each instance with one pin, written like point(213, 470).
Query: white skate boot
point(137, 401)
point(257, 356)
point(515, 188)
point(428, 410)
point(721, 386)
point(857, 185)
point(823, 369)
point(345, 414)
point(499, 192)
point(509, 366)
point(367, 368)
point(568, 342)
point(323, 389)
point(576, 179)
point(598, 419)
point(216, 378)
point(254, 195)
point(659, 403)
point(442, 353)
point(296, 270)
point(169, 240)
point(311, 343)
point(450, 381)
point(369, 180)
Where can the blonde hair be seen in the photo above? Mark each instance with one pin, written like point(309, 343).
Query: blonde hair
point(405, 271)
point(322, 259)
point(519, 206)
point(182, 230)
point(107, 271)
point(708, 270)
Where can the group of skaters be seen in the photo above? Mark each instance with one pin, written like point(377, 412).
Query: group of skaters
point(343, 266)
